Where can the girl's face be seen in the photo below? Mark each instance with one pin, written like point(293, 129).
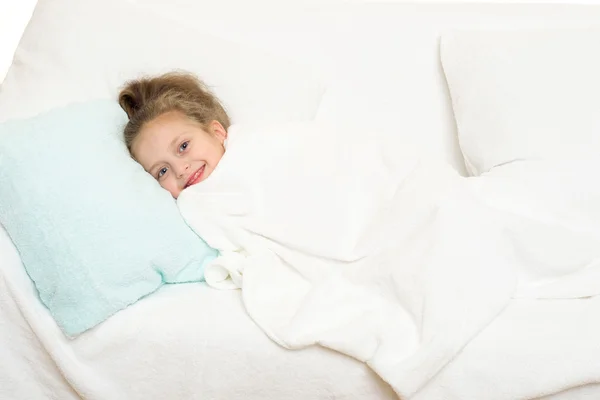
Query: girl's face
point(178, 151)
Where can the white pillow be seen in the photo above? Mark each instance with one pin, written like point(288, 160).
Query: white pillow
point(524, 94)
point(75, 50)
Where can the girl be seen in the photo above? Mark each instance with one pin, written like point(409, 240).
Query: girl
point(177, 128)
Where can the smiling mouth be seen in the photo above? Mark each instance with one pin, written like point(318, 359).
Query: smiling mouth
point(196, 177)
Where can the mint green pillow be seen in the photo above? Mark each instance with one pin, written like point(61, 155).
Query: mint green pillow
point(95, 232)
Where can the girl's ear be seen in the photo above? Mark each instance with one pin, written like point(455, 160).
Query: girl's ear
point(218, 130)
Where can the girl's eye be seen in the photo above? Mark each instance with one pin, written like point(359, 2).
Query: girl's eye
point(162, 171)
point(183, 146)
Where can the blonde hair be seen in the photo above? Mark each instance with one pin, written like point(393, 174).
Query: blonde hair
point(147, 98)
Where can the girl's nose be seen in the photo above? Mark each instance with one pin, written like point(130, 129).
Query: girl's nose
point(181, 169)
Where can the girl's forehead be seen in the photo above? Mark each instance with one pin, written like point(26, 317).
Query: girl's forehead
point(152, 142)
point(163, 129)
point(167, 122)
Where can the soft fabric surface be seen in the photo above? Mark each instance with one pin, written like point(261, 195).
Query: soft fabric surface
point(169, 351)
point(524, 94)
point(564, 196)
point(374, 252)
point(535, 349)
point(67, 54)
point(387, 74)
point(162, 348)
point(94, 230)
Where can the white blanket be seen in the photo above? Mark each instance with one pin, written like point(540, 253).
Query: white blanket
point(374, 252)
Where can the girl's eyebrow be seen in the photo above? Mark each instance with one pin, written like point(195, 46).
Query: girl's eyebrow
point(174, 141)
point(153, 167)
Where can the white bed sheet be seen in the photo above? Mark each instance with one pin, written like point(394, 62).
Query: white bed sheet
point(184, 342)
point(216, 352)
point(200, 344)
point(193, 342)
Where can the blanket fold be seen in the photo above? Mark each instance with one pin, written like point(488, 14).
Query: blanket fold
point(377, 253)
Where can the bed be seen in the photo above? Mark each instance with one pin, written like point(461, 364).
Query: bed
point(193, 342)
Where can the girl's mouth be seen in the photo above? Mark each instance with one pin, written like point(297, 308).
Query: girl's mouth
point(195, 177)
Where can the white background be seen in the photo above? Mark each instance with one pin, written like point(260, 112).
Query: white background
point(14, 15)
